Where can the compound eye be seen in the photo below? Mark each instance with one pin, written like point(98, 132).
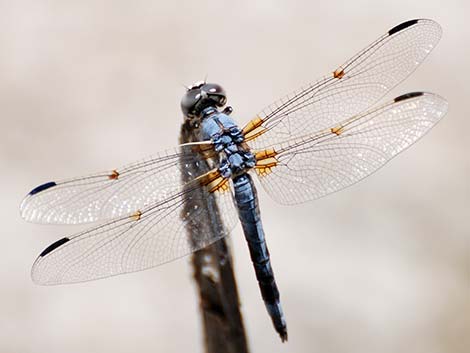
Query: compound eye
point(213, 88)
point(189, 100)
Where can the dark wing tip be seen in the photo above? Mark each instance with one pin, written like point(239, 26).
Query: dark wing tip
point(53, 246)
point(408, 96)
point(402, 26)
point(42, 187)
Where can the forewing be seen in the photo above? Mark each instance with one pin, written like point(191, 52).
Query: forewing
point(314, 165)
point(149, 237)
point(354, 87)
point(113, 193)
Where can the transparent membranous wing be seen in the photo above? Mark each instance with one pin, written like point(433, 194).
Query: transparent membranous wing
point(352, 88)
point(310, 166)
point(113, 193)
point(152, 235)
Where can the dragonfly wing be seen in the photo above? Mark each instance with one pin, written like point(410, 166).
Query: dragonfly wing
point(352, 88)
point(113, 193)
point(314, 165)
point(151, 236)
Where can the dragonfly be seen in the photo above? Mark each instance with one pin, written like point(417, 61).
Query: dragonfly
point(320, 139)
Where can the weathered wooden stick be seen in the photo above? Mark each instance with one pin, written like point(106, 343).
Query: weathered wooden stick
point(223, 327)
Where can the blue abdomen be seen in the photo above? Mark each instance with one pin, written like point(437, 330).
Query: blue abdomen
point(250, 218)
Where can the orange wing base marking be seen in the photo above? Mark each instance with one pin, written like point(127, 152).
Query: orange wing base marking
point(114, 175)
point(260, 155)
point(265, 161)
point(220, 184)
point(252, 124)
point(207, 178)
point(339, 73)
point(253, 129)
point(213, 181)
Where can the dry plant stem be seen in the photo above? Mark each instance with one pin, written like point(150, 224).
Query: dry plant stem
point(223, 327)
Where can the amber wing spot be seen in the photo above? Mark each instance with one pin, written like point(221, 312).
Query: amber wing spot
point(339, 73)
point(338, 130)
point(264, 154)
point(253, 129)
point(220, 185)
point(265, 162)
point(114, 175)
point(263, 171)
point(209, 177)
point(252, 124)
point(213, 181)
point(136, 216)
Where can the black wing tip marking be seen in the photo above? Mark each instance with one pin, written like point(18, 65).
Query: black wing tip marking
point(53, 246)
point(402, 26)
point(42, 187)
point(408, 96)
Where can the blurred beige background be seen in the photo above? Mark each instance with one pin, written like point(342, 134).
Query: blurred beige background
point(90, 85)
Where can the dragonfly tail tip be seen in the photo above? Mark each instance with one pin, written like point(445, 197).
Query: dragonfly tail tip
point(283, 336)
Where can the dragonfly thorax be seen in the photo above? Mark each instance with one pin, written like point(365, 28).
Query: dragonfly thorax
point(236, 163)
point(234, 155)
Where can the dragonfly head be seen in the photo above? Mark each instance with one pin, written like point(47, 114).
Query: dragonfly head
point(200, 96)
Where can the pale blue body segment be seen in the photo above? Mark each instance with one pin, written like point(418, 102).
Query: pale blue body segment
point(235, 161)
